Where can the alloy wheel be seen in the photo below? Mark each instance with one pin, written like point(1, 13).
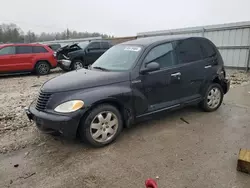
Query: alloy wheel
point(214, 98)
point(104, 126)
point(43, 68)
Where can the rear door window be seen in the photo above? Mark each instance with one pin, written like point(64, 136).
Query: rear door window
point(39, 49)
point(188, 51)
point(9, 50)
point(24, 49)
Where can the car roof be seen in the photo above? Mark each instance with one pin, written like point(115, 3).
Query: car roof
point(21, 44)
point(152, 40)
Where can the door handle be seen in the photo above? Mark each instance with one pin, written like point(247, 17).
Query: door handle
point(176, 74)
point(208, 66)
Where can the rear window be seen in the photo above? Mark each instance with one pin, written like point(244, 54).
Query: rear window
point(24, 49)
point(39, 49)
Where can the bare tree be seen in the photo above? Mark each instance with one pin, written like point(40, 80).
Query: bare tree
point(12, 33)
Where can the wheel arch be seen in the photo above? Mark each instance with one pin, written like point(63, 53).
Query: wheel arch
point(78, 58)
point(126, 113)
point(41, 60)
point(217, 80)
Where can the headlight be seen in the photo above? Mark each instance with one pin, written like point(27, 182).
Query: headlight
point(69, 106)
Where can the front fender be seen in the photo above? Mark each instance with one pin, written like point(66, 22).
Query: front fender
point(120, 93)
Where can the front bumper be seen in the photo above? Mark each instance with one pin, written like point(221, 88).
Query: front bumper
point(66, 125)
point(64, 64)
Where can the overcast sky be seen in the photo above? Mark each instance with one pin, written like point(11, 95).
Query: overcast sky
point(120, 17)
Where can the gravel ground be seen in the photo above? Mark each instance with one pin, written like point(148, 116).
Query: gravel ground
point(238, 77)
point(21, 143)
point(17, 92)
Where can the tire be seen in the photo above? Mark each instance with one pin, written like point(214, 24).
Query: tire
point(77, 64)
point(101, 126)
point(212, 98)
point(42, 68)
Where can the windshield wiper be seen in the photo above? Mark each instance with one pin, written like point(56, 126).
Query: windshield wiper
point(100, 68)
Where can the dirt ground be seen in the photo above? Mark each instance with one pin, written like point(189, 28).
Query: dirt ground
point(201, 152)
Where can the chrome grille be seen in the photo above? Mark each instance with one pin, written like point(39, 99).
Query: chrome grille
point(42, 101)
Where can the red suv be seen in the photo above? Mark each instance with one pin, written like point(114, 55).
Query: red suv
point(26, 58)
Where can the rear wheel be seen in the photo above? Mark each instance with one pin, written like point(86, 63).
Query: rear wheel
point(213, 98)
point(42, 68)
point(77, 64)
point(101, 126)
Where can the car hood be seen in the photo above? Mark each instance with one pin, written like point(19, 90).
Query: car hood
point(82, 79)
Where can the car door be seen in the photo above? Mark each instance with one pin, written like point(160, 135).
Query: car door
point(24, 55)
point(8, 59)
point(191, 65)
point(94, 51)
point(159, 88)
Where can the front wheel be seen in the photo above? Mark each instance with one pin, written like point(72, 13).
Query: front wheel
point(213, 98)
point(77, 64)
point(101, 126)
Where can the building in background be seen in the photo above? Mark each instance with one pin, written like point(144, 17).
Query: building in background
point(69, 41)
point(114, 41)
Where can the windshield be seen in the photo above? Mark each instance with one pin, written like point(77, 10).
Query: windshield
point(83, 45)
point(118, 58)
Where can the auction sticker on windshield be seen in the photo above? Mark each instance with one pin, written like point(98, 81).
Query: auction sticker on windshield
point(133, 48)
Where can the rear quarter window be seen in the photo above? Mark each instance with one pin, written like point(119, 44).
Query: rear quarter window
point(39, 49)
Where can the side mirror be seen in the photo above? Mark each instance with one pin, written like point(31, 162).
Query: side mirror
point(152, 66)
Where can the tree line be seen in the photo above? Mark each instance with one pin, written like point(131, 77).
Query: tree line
point(11, 33)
